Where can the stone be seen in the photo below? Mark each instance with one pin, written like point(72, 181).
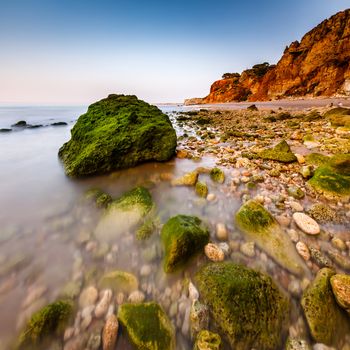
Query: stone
point(199, 318)
point(98, 197)
point(328, 324)
point(320, 259)
point(296, 192)
point(306, 171)
point(94, 341)
point(211, 197)
point(248, 249)
point(217, 175)
point(245, 304)
point(303, 250)
point(147, 326)
point(297, 344)
point(261, 227)
point(188, 179)
point(192, 292)
point(306, 224)
point(117, 132)
point(102, 306)
point(213, 252)
point(207, 340)
point(323, 213)
point(119, 281)
point(88, 297)
point(341, 290)
point(136, 297)
point(146, 230)
point(110, 333)
point(182, 237)
point(281, 153)
point(221, 232)
point(201, 189)
point(338, 243)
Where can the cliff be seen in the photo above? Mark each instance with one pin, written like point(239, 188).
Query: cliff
point(318, 65)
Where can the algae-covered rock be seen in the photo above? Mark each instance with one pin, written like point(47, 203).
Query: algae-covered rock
point(119, 281)
point(207, 340)
point(147, 326)
point(182, 237)
point(245, 304)
point(338, 116)
point(100, 198)
point(261, 227)
point(296, 344)
point(201, 189)
point(316, 159)
point(281, 153)
point(328, 323)
point(146, 229)
point(323, 213)
point(48, 321)
point(217, 175)
point(199, 318)
point(188, 179)
point(117, 132)
point(124, 214)
point(341, 290)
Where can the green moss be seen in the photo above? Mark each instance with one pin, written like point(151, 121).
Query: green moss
point(281, 153)
point(146, 229)
point(147, 326)
point(119, 281)
point(117, 132)
point(337, 111)
point(308, 137)
point(296, 344)
point(340, 163)
point(48, 321)
point(217, 175)
point(201, 189)
point(245, 304)
point(188, 179)
point(316, 159)
point(296, 192)
point(261, 227)
point(207, 340)
point(182, 237)
point(100, 198)
point(328, 323)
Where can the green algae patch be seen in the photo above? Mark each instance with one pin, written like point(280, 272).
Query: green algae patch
point(146, 230)
point(97, 196)
point(48, 321)
point(328, 323)
point(316, 159)
point(245, 304)
point(280, 153)
point(124, 214)
point(217, 175)
point(182, 237)
point(188, 179)
point(147, 326)
point(119, 281)
point(207, 340)
point(261, 227)
point(201, 189)
point(117, 132)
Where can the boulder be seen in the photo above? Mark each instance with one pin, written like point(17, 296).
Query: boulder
point(182, 237)
point(245, 304)
point(119, 281)
point(117, 132)
point(280, 153)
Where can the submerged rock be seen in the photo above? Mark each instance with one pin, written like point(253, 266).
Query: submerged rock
point(296, 344)
point(147, 326)
point(207, 340)
point(124, 213)
point(201, 189)
point(119, 281)
point(188, 179)
point(110, 333)
point(20, 124)
point(182, 237)
point(281, 153)
point(328, 323)
point(117, 132)
point(100, 198)
point(261, 227)
point(246, 305)
point(217, 175)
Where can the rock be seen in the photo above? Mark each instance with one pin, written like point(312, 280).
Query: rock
point(5, 130)
point(323, 213)
point(86, 315)
point(88, 297)
point(188, 179)
point(117, 132)
point(338, 243)
point(327, 322)
point(145, 270)
point(296, 192)
point(201, 189)
point(296, 206)
point(303, 250)
point(320, 259)
point(94, 341)
point(181, 154)
point(199, 318)
point(339, 259)
point(213, 252)
point(136, 297)
point(33, 295)
point(248, 249)
point(281, 153)
point(59, 124)
point(296, 344)
point(207, 340)
point(211, 197)
point(182, 237)
point(119, 281)
point(341, 290)
point(306, 224)
point(147, 326)
point(252, 108)
point(100, 198)
point(221, 232)
point(103, 304)
point(245, 304)
point(110, 333)
point(217, 175)
point(124, 213)
point(146, 230)
point(52, 318)
point(306, 171)
point(261, 227)
point(20, 124)
point(192, 292)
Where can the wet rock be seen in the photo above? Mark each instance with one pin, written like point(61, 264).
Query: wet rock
point(281, 153)
point(296, 206)
point(306, 224)
point(192, 292)
point(323, 213)
point(5, 130)
point(338, 243)
point(145, 270)
point(217, 175)
point(339, 259)
point(146, 230)
point(86, 316)
point(94, 341)
point(110, 333)
point(20, 124)
point(207, 340)
point(119, 281)
point(306, 171)
point(296, 192)
point(341, 290)
point(147, 326)
point(136, 297)
point(248, 249)
point(245, 304)
point(201, 189)
point(188, 179)
point(211, 197)
point(320, 259)
point(296, 344)
point(199, 318)
point(103, 304)
point(88, 297)
point(59, 124)
point(303, 250)
point(221, 232)
point(182, 237)
point(99, 198)
point(213, 252)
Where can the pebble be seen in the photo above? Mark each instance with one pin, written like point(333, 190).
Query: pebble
point(213, 252)
point(221, 232)
point(338, 243)
point(306, 224)
point(248, 249)
point(110, 333)
point(94, 342)
point(283, 220)
point(211, 197)
point(225, 248)
point(136, 297)
point(296, 206)
point(103, 304)
point(88, 297)
point(110, 310)
point(145, 270)
point(294, 236)
point(303, 250)
point(120, 298)
point(193, 292)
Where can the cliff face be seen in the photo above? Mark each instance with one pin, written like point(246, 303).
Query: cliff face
point(317, 66)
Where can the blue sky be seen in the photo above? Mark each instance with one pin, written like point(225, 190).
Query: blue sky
point(78, 51)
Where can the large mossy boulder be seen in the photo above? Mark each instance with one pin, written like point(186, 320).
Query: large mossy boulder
point(261, 227)
point(49, 321)
point(124, 214)
point(246, 305)
point(147, 326)
point(182, 237)
point(280, 153)
point(117, 132)
point(328, 323)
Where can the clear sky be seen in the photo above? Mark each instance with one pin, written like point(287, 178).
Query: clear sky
point(78, 51)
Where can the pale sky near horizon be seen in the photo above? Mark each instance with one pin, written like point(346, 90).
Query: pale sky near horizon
point(76, 52)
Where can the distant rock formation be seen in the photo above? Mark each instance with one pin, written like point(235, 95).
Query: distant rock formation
point(317, 66)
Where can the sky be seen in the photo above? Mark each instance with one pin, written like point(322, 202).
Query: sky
point(66, 52)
